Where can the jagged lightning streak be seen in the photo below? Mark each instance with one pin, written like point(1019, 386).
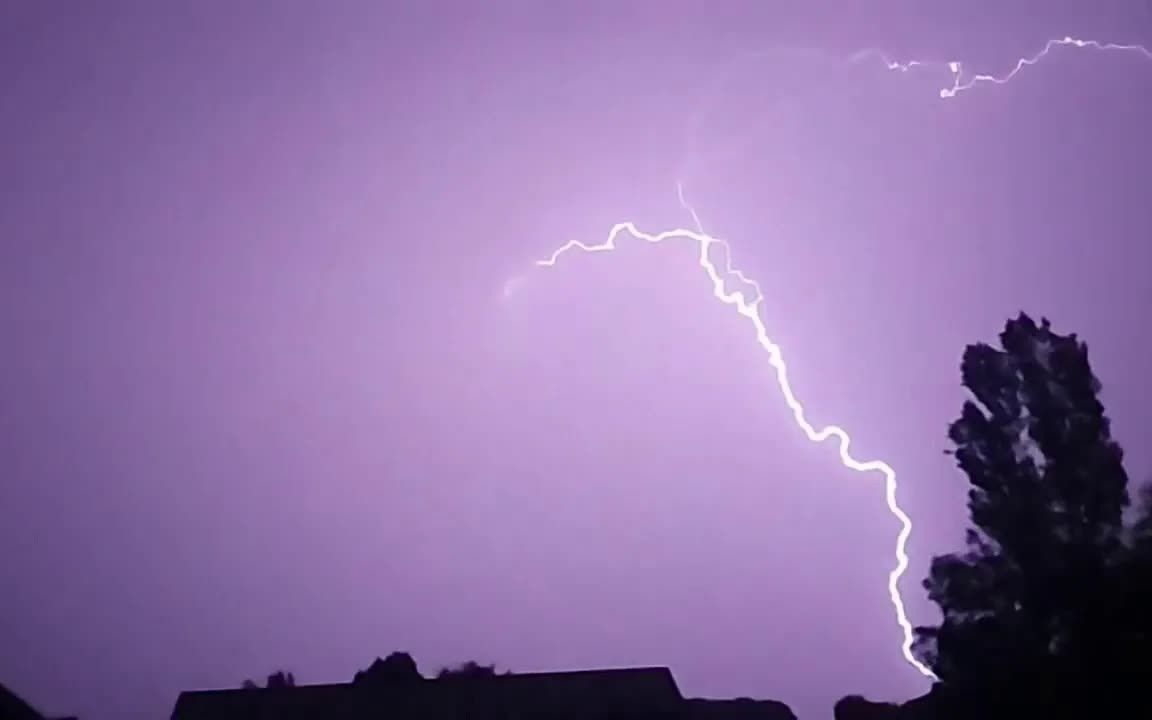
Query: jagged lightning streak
point(960, 84)
point(957, 69)
point(749, 309)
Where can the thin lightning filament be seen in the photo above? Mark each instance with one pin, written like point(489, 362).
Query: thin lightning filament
point(960, 84)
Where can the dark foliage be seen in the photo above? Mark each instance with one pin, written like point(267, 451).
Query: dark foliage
point(279, 679)
point(470, 669)
point(1048, 606)
point(396, 669)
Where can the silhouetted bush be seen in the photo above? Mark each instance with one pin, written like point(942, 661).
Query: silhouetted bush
point(470, 669)
point(397, 668)
point(279, 679)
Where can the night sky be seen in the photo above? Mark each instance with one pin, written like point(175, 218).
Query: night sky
point(264, 401)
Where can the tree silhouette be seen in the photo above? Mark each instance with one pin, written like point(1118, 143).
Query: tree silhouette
point(397, 668)
point(469, 669)
point(1140, 535)
point(278, 679)
point(1131, 595)
point(1028, 608)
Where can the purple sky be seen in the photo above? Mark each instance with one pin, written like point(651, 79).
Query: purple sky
point(263, 403)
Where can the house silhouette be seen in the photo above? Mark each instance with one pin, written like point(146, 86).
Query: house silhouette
point(648, 693)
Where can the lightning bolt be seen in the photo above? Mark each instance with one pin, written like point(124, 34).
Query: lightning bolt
point(956, 68)
point(748, 308)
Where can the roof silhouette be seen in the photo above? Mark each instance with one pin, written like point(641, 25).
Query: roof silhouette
point(13, 707)
point(648, 692)
point(739, 709)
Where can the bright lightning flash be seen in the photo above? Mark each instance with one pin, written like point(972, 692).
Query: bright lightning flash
point(960, 84)
point(749, 309)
